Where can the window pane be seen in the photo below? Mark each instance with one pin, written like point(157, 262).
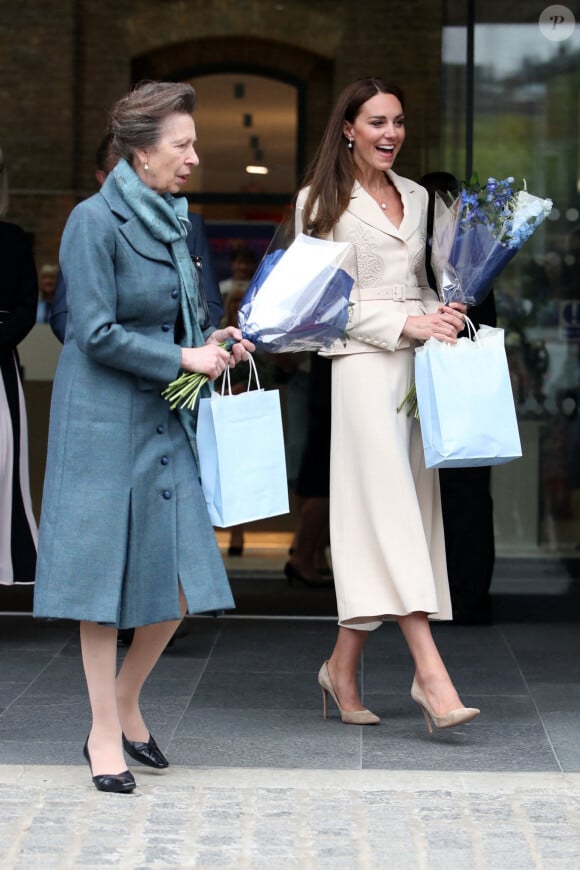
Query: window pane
point(526, 123)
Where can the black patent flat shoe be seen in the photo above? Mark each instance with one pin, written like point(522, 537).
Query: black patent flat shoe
point(119, 783)
point(146, 753)
point(292, 574)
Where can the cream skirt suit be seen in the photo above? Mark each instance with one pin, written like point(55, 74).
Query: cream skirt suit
point(386, 527)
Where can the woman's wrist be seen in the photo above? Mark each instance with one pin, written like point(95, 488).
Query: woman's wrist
point(186, 358)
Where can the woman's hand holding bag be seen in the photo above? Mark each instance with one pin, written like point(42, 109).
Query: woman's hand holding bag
point(465, 400)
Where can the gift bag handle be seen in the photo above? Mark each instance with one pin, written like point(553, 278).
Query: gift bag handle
point(471, 331)
point(253, 371)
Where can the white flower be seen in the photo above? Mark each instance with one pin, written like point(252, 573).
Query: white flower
point(529, 211)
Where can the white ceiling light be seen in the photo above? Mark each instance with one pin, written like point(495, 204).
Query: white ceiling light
point(256, 169)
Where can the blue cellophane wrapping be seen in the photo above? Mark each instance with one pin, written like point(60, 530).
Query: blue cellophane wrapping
point(294, 303)
point(472, 243)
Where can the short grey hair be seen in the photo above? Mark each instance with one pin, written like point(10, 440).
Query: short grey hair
point(135, 120)
point(3, 185)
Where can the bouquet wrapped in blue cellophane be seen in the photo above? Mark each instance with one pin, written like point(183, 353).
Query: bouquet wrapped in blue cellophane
point(298, 299)
point(476, 236)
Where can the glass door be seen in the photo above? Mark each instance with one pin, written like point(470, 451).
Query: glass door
point(511, 107)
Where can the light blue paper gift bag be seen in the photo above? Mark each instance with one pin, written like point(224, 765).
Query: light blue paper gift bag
point(240, 443)
point(465, 401)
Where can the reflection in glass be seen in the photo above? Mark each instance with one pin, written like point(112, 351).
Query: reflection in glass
point(526, 121)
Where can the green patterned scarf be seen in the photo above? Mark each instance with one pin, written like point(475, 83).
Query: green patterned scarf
point(165, 216)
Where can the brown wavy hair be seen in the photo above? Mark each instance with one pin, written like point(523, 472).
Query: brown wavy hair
point(331, 172)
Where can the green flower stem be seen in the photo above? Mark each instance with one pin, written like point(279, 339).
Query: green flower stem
point(184, 390)
point(410, 401)
point(182, 393)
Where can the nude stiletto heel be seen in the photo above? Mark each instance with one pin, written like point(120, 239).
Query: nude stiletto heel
point(349, 717)
point(448, 720)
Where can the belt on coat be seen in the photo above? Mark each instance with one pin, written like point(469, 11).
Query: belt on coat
point(396, 293)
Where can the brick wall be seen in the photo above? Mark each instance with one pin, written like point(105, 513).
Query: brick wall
point(65, 62)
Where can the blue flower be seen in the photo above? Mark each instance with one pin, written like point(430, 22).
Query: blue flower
point(489, 225)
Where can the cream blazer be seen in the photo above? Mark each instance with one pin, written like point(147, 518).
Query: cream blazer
point(390, 265)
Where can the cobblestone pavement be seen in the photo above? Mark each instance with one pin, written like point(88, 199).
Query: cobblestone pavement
point(260, 780)
point(52, 817)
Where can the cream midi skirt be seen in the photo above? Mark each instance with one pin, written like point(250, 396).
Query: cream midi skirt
point(386, 526)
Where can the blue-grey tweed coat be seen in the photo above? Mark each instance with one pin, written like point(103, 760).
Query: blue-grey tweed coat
point(123, 518)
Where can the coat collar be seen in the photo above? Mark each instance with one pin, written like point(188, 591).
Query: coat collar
point(364, 207)
point(131, 227)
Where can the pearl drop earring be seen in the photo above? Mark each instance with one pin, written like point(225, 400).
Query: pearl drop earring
point(146, 167)
point(350, 141)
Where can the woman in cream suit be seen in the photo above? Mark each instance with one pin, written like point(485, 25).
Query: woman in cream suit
point(387, 541)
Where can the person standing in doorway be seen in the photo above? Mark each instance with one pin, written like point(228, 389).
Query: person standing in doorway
point(18, 301)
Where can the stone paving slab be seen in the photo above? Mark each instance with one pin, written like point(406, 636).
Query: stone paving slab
point(52, 817)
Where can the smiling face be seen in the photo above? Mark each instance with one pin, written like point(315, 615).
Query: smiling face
point(171, 160)
point(377, 133)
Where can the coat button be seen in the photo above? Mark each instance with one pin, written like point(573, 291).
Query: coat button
point(174, 294)
point(166, 494)
point(164, 460)
point(166, 327)
point(161, 430)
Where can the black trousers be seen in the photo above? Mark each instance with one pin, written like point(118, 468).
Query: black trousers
point(469, 540)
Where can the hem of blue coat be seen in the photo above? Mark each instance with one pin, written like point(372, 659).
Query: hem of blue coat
point(76, 616)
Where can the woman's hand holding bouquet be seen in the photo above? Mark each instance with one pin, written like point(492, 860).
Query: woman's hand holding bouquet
point(443, 325)
point(298, 300)
point(234, 342)
point(474, 238)
point(224, 347)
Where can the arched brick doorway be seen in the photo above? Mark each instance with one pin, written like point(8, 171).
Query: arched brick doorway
point(311, 74)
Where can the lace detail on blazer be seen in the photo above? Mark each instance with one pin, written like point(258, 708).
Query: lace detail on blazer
point(417, 252)
point(370, 266)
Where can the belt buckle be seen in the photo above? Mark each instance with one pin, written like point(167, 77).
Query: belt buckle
point(399, 292)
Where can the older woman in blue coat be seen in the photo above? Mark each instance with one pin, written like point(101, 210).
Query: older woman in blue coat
point(125, 537)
